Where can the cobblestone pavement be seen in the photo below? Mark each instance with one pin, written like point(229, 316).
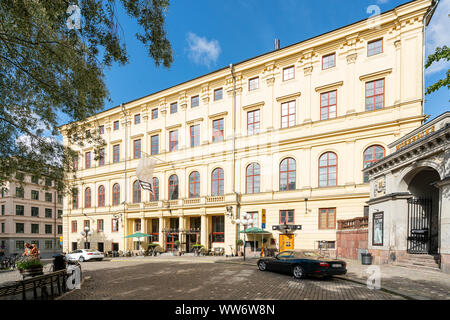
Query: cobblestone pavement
point(177, 279)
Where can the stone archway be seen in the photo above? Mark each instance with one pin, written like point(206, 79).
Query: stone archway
point(423, 210)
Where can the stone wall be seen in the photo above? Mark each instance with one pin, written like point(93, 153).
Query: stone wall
point(349, 241)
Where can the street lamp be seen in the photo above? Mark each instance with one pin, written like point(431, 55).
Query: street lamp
point(86, 233)
point(245, 221)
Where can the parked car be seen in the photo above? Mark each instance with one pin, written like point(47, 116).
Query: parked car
point(302, 263)
point(85, 255)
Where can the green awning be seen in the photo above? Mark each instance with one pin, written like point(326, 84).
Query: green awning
point(138, 235)
point(255, 230)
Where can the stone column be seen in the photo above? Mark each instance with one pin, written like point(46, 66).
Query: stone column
point(204, 230)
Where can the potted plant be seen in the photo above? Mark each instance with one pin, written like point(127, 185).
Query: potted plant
point(239, 243)
point(30, 267)
point(176, 244)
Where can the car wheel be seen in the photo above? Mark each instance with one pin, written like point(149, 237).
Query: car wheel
point(100, 259)
point(262, 265)
point(81, 259)
point(298, 272)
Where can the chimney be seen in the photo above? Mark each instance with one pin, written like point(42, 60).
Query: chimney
point(277, 44)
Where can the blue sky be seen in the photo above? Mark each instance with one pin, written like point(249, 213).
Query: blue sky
point(210, 34)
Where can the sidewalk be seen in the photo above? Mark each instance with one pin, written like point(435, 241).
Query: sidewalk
point(410, 283)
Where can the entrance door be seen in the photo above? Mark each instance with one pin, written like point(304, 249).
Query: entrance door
point(115, 246)
point(286, 242)
point(100, 246)
point(419, 222)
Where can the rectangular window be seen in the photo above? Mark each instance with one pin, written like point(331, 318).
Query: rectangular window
point(328, 104)
point(286, 216)
point(137, 118)
point(48, 228)
point(375, 47)
point(100, 225)
point(195, 135)
point(115, 225)
point(327, 218)
point(288, 114)
point(20, 193)
point(155, 144)
point(88, 160)
point(48, 197)
point(48, 244)
point(155, 113)
point(20, 228)
point(34, 195)
point(253, 84)
point(377, 232)
point(34, 228)
point(74, 226)
point(329, 61)
point(60, 213)
point(116, 153)
point(20, 245)
point(116, 125)
point(75, 163)
point(253, 122)
point(218, 94)
point(3, 227)
point(195, 102)
point(137, 225)
point(34, 211)
point(34, 180)
point(155, 230)
point(375, 95)
point(101, 129)
point(173, 140)
point(137, 149)
point(48, 182)
point(3, 209)
point(288, 73)
point(217, 130)
point(174, 107)
point(101, 157)
point(48, 212)
point(20, 210)
point(218, 229)
point(60, 229)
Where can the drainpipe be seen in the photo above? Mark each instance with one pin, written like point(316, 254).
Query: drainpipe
point(125, 171)
point(430, 12)
point(238, 197)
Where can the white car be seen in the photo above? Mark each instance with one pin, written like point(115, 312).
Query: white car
point(85, 255)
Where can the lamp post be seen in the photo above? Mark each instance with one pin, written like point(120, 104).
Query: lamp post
point(86, 233)
point(245, 221)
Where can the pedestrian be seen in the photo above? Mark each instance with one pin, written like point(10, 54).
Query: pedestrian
point(34, 251)
point(27, 250)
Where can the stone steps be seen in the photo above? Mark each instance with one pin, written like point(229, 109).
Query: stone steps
point(418, 261)
point(418, 267)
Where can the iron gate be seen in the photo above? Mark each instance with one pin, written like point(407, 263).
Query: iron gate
point(419, 222)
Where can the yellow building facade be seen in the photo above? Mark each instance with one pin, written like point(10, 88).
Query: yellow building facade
point(288, 131)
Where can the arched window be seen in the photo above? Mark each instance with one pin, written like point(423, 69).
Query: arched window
point(217, 180)
point(253, 178)
point(372, 155)
point(194, 185)
point(173, 187)
point(116, 194)
point(287, 174)
point(101, 196)
point(87, 198)
point(328, 170)
point(155, 195)
point(136, 192)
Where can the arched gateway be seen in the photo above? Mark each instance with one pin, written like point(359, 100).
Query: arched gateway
point(409, 207)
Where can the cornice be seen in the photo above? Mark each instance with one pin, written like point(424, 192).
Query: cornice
point(218, 115)
point(374, 75)
point(289, 97)
point(254, 105)
point(173, 127)
point(330, 86)
point(194, 121)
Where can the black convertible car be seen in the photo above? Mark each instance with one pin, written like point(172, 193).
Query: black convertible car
point(302, 263)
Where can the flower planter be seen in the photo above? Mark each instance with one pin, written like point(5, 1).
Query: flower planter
point(32, 271)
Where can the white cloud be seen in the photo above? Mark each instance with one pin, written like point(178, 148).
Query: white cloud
point(382, 1)
point(202, 51)
point(438, 35)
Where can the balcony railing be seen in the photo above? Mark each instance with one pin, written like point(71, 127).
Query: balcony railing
point(215, 199)
point(356, 223)
point(191, 201)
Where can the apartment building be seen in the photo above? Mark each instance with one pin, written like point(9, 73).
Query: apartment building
point(289, 131)
point(31, 211)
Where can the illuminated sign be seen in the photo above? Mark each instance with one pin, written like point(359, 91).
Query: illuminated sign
point(416, 137)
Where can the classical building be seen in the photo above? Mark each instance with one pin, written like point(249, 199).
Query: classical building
point(31, 212)
point(289, 131)
point(409, 211)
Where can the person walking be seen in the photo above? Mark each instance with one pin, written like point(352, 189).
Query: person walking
point(34, 251)
point(27, 250)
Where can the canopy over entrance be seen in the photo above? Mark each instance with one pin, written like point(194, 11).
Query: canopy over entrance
point(255, 230)
point(138, 235)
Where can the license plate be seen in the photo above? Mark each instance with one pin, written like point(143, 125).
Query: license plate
point(336, 265)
